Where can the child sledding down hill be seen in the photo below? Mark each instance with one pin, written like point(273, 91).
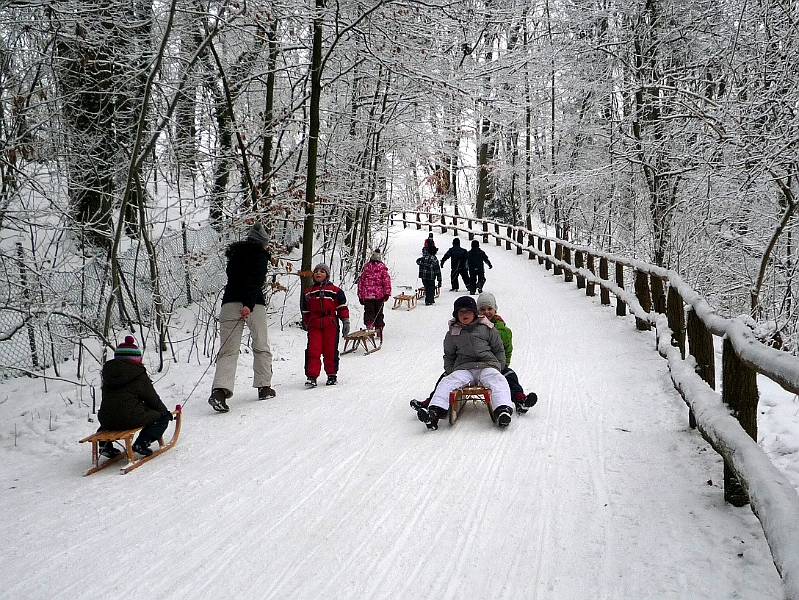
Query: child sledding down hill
point(473, 352)
point(487, 307)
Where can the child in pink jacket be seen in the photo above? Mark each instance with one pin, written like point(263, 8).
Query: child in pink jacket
point(374, 289)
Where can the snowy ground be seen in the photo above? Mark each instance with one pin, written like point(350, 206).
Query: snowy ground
point(601, 491)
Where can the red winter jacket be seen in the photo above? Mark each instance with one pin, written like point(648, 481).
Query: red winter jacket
point(323, 302)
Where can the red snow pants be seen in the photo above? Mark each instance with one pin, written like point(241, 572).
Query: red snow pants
point(322, 342)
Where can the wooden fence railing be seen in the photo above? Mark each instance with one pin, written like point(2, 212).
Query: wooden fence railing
point(685, 325)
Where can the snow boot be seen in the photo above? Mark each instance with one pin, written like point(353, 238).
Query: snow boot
point(266, 392)
point(310, 382)
point(502, 415)
point(217, 400)
point(530, 400)
point(108, 450)
point(143, 448)
point(518, 402)
point(417, 404)
point(331, 380)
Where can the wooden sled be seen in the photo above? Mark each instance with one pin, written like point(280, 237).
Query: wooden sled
point(458, 398)
point(127, 435)
point(409, 299)
point(420, 293)
point(362, 337)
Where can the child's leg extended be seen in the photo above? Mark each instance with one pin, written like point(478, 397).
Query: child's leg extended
point(496, 382)
point(451, 382)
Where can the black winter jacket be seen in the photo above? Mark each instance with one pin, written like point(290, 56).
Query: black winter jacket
point(246, 273)
point(129, 398)
point(476, 257)
point(458, 256)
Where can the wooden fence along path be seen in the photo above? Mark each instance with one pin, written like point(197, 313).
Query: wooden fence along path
point(659, 298)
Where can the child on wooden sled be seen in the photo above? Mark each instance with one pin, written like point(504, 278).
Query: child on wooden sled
point(130, 401)
point(487, 307)
point(473, 352)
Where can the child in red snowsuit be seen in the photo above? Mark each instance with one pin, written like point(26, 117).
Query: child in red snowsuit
point(323, 305)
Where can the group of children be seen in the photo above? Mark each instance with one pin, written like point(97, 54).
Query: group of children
point(477, 349)
point(467, 265)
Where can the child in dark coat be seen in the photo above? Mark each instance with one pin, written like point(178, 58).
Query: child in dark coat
point(473, 352)
point(130, 401)
point(323, 305)
point(430, 274)
point(477, 275)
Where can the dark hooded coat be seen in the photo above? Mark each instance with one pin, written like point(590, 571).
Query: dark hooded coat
point(129, 398)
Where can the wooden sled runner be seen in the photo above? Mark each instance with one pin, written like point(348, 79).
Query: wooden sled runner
point(127, 435)
point(362, 337)
point(458, 398)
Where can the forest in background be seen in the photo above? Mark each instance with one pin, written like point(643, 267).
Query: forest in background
point(661, 130)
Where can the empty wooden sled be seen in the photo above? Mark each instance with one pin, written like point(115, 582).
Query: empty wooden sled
point(459, 397)
point(127, 436)
point(362, 337)
point(409, 299)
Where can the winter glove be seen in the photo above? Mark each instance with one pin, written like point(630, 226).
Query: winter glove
point(490, 267)
point(345, 327)
point(386, 297)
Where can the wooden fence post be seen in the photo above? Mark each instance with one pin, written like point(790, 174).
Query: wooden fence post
point(519, 241)
point(739, 392)
point(548, 251)
point(530, 245)
point(510, 237)
point(485, 232)
point(590, 287)
point(604, 275)
point(621, 305)
point(568, 276)
point(557, 269)
point(471, 233)
point(676, 317)
point(418, 221)
point(700, 346)
point(578, 264)
point(429, 221)
point(540, 251)
point(644, 299)
point(404, 220)
point(497, 241)
point(659, 301)
point(443, 224)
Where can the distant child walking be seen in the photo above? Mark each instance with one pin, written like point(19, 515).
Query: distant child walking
point(323, 306)
point(374, 290)
point(429, 273)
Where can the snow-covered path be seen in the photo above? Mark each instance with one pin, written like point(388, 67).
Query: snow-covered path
point(600, 491)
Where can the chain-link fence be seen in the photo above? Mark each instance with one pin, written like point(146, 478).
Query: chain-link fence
point(46, 312)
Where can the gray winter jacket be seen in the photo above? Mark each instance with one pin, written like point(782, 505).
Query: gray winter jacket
point(473, 346)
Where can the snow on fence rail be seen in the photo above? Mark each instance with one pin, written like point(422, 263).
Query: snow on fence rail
point(660, 298)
